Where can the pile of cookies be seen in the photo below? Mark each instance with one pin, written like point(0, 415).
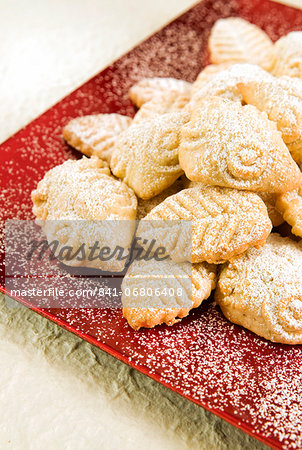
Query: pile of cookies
point(222, 154)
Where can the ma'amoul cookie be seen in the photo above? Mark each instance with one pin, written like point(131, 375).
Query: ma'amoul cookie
point(236, 40)
point(262, 290)
point(231, 145)
point(207, 223)
point(167, 292)
point(268, 198)
point(79, 202)
point(287, 55)
point(96, 134)
point(290, 206)
point(161, 104)
point(281, 99)
point(146, 89)
point(146, 155)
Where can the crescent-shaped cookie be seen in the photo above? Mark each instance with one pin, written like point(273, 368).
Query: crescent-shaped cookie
point(96, 134)
point(164, 292)
point(207, 223)
point(262, 290)
point(236, 40)
point(146, 155)
point(231, 145)
point(270, 203)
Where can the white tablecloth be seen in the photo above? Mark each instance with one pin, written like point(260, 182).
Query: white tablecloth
point(56, 391)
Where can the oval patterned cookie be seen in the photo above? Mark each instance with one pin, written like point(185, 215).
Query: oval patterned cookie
point(235, 39)
point(146, 155)
point(281, 99)
point(223, 223)
point(80, 202)
point(262, 290)
point(146, 89)
point(231, 145)
point(179, 288)
point(268, 198)
point(287, 53)
point(96, 134)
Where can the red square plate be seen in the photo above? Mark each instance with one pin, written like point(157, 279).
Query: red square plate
point(253, 384)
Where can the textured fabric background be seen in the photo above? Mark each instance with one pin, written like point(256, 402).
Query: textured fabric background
point(56, 391)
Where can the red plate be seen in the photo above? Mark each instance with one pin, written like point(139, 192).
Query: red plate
point(251, 383)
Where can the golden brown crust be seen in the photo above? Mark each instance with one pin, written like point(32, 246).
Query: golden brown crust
point(290, 206)
point(236, 40)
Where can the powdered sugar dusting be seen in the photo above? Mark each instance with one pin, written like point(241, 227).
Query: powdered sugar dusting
point(96, 134)
point(225, 83)
point(234, 39)
point(216, 364)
